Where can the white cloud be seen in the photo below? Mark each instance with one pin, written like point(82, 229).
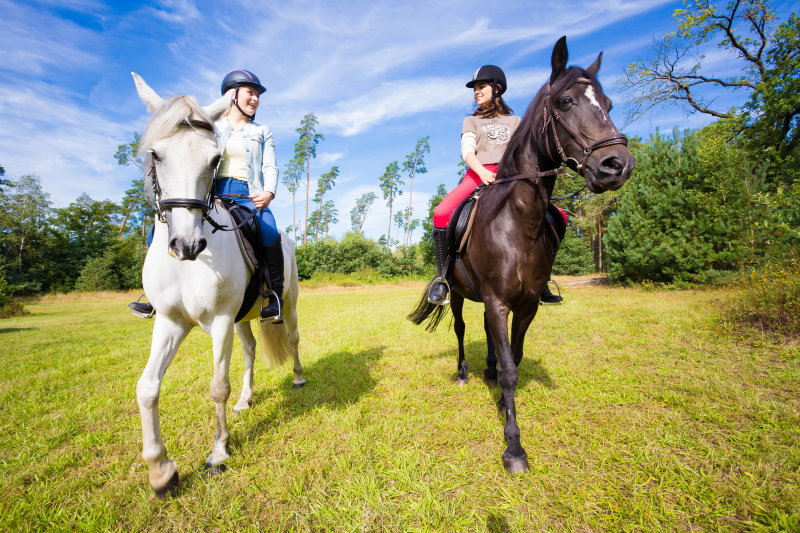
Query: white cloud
point(327, 158)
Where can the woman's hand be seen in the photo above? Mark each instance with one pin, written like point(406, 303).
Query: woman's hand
point(486, 175)
point(262, 199)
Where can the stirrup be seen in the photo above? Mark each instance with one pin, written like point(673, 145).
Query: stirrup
point(137, 308)
point(447, 292)
point(275, 319)
point(557, 294)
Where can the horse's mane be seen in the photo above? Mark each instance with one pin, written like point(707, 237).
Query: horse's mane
point(177, 111)
point(531, 130)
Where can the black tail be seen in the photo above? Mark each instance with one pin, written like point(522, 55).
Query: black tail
point(426, 310)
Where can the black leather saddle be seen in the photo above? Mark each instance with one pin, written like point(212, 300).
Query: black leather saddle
point(248, 235)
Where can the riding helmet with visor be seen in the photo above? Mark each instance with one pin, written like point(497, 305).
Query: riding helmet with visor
point(240, 78)
point(490, 74)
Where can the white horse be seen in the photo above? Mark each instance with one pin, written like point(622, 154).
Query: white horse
point(196, 277)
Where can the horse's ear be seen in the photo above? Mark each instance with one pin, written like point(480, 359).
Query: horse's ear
point(217, 108)
point(594, 67)
point(559, 59)
point(148, 95)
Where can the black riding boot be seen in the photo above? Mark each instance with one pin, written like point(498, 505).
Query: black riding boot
point(273, 312)
point(440, 288)
point(548, 298)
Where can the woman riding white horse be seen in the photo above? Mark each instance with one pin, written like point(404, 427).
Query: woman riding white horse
point(197, 277)
point(248, 174)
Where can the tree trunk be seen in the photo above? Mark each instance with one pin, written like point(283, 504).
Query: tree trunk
point(407, 238)
point(124, 220)
point(308, 188)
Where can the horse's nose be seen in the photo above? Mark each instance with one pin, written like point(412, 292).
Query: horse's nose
point(199, 246)
point(612, 165)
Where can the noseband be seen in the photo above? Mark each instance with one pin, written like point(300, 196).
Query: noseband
point(551, 116)
point(164, 205)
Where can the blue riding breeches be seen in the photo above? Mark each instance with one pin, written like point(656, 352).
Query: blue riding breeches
point(266, 220)
point(269, 229)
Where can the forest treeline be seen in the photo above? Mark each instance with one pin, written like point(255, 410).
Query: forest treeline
point(700, 207)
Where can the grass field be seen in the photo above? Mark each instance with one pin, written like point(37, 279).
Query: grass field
point(640, 411)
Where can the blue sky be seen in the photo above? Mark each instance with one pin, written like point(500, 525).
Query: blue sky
point(379, 75)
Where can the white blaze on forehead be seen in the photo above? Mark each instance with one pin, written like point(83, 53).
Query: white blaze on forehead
point(593, 100)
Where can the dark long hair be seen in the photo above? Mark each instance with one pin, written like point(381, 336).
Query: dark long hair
point(495, 107)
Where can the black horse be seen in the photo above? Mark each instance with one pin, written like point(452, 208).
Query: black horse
point(509, 255)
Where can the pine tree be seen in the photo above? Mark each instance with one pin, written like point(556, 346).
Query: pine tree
point(390, 184)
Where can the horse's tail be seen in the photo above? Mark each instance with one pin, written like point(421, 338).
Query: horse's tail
point(279, 341)
point(427, 311)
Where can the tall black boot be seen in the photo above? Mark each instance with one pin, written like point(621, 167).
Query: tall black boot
point(440, 288)
point(273, 312)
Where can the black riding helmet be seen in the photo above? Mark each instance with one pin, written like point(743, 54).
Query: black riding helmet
point(490, 74)
point(238, 78)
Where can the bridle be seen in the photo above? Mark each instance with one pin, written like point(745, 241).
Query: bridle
point(551, 116)
point(164, 205)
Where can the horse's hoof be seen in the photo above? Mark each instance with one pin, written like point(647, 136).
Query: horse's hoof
point(299, 384)
point(169, 489)
point(237, 410)
point(213, 470)
point(490, 376)
point(462, 381)
point(516, 465)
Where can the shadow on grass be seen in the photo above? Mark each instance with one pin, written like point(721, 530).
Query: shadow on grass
point(495, 523)
point(335, 381)
point(12, 330)
point(475, 354)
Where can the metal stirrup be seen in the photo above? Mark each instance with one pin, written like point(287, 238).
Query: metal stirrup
point(447, 292)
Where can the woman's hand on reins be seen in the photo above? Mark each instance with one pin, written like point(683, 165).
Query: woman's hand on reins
point(262, 199)
point(486, 175)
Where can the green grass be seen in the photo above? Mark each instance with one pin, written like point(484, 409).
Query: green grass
point(639, 412)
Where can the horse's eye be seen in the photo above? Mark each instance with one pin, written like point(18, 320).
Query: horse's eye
point(154, 155)
point(565, 103)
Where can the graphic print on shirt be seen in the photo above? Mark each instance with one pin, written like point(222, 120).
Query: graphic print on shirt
point(496, 133)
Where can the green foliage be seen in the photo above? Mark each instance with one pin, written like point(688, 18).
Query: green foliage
point(97, 274)
point(304, 151)
point(8, 307)
point(668, 226)
point(575, 256)
point(127, 154)
point(390, 183)
point(769, 299)
point(359, 212)
point(355, 253)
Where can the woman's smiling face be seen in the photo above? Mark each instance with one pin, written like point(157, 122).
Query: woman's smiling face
point(482, 92)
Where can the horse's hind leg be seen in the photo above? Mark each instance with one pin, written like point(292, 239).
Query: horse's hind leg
point(490, 374)
point(245, 334)
point(290, 323)
point(457, 308)
point(221, 331)
point(514, 458)
point(167, 336)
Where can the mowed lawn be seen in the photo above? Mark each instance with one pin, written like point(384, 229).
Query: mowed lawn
point(640, 411)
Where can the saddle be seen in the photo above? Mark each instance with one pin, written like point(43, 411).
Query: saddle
point(248, 236)
point(460, 227)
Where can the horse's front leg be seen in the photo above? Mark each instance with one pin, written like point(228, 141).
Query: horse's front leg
point(221, 331)
point(514, 458)
point(457, 308)
point(167, 336)
point(245, 334)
